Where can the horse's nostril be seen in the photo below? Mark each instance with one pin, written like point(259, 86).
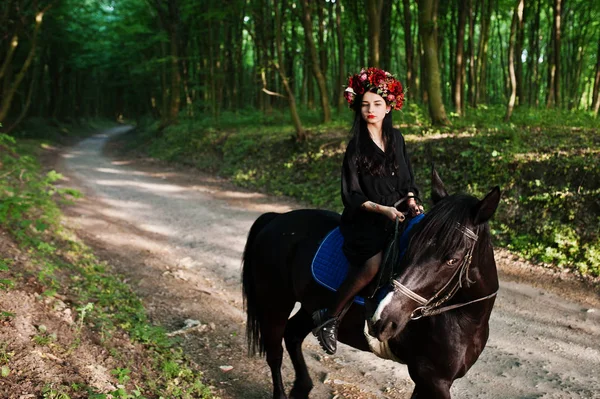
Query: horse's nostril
point(394, 326)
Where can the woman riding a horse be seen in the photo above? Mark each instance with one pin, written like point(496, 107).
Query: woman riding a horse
point(376, 177)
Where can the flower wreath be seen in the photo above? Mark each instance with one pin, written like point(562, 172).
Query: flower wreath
point(385, 83)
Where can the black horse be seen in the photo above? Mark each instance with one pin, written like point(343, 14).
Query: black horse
point(434, 317)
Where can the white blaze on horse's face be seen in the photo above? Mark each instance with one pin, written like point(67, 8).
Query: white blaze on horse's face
point(384, 302)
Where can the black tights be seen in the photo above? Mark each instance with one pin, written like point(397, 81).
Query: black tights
point(356, 280)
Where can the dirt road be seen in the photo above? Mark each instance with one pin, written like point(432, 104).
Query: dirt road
point(177, 235)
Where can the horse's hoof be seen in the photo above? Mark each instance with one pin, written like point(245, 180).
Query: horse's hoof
point(300, 393)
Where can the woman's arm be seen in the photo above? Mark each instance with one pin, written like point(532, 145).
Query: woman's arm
point(352, 195)
point(388, 211)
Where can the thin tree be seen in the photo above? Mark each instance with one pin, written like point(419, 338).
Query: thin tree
point(341, 60)
point(482, 53)
point(374, 8)
point(278, 64)
point(14, 83)
point(596, 91)
point(519, 43)
point(554, 66)
point(314, 58)
point(459, 68)
point(411, 74)
point(428, 32)
point(171, 22)
point(534, 45)
point(516, 20)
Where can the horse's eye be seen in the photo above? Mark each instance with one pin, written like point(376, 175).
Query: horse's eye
point(451, 262)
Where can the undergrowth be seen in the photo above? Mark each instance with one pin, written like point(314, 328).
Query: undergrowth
point(546, 163)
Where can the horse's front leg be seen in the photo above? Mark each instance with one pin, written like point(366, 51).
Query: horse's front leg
point(296, 330)
point(429, 384)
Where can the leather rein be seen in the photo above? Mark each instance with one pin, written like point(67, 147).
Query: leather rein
point(434, 306)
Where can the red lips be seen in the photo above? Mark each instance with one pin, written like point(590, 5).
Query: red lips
point(371, 116)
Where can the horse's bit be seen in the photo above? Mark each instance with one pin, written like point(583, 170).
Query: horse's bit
point(432, 307)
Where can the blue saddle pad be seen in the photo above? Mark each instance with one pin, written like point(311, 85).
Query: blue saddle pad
point(330, 266)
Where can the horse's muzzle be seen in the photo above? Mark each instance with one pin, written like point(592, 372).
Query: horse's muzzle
point(383, 330)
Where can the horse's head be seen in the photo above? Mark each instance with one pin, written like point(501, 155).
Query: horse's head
point(442, 248)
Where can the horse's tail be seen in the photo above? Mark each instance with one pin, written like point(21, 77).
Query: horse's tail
point(253, 335)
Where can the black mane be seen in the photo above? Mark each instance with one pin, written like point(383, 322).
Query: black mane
point(438, 234)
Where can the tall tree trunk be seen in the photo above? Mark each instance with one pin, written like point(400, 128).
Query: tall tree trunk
point(505, 80)
point(472, 76)
point(411, 74)
point(321, 36)
point(422, 82)
point(385, 40)
point(520, 40)
point(6, 101)
point(374, 8)
point(517, 17)
point(554, 67)
point(308, 77)
point(174, 53)
point(308, 32)
point(460, 65)
point(534, 44)
point(163, 82)
point(300, 132)
point(428, 28)
point(342, 66)
point(482, 53)
point(596, 91)
point(27, 104)
point(290, 53)
point(14, 43)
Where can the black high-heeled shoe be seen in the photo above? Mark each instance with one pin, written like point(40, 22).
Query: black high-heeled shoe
point(326, 330)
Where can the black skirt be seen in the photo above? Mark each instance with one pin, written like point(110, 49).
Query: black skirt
point(365, 236)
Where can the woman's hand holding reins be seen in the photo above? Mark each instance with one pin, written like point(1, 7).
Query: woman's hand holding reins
point(389, 211)
point(393, 213)
point(414, 208)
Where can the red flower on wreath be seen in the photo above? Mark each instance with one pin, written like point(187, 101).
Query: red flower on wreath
point(379, 81)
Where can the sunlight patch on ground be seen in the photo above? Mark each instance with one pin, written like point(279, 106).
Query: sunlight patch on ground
point(536, 156)
point(411, 138)
point(118, 163)
point(234, 194)
point(121, 172)
point(153, 187)
point(158, 229)
point(126, 204)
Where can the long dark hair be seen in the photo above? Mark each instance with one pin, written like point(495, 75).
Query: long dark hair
point(365, 150)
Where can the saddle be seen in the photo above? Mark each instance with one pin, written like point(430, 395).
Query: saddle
point(330, 266)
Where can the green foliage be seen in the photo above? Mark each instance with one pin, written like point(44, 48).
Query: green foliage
point(50, 392)
point(4, 267)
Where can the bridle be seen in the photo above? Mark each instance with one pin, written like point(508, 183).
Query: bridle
point(433, 306)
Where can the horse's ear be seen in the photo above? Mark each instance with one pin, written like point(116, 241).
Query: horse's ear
point(438, 191)
point(485, 209)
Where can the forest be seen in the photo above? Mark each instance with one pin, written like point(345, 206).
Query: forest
point(499, 92)
point(250, 93)
point(76, 59)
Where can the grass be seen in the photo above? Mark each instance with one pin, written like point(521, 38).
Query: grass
point(546, 163)
point(29, 212)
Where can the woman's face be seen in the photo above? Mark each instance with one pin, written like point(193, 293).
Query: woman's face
point(373, 108)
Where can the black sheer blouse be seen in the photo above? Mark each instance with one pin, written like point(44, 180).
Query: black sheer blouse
point(365, 233)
